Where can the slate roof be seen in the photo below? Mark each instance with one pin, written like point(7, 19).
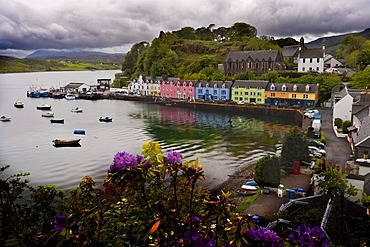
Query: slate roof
point(211, 84)
point(301, 88)
point(311, 53)
point(74, 84)
point(363, 134)
point(260, 55)
point(250, 83)
point(290, 50)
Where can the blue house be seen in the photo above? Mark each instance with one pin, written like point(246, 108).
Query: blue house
point(213, 90)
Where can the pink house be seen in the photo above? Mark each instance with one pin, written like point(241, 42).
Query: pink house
point(177, 89)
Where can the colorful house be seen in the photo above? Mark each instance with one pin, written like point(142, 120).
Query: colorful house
point(213, 90)
point(292, 94)
point(177, 89)
point(249, 91)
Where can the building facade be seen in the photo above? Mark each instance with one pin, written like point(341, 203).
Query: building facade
point(249, 91)
point(177, 89)
point(213, 90)
point(311, 60)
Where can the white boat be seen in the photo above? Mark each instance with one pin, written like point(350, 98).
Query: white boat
point(4, 118)
point(19, 104)
point(48, 114)
point(70, 96)
point(77, 109)
point(43, 107)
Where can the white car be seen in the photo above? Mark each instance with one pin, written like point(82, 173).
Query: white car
point(333, 71)
point(316, 149)
point(309, 114)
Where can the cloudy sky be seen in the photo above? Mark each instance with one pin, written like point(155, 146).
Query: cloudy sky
point(114, 25)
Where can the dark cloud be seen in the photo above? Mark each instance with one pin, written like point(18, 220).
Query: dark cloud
point(69, 24)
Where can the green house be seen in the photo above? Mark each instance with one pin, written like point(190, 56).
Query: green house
point(249, 91)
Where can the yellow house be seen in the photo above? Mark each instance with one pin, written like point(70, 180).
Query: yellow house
point(302, 95)
point(248, 91)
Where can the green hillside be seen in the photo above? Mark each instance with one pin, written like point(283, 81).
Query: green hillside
point(16, 65)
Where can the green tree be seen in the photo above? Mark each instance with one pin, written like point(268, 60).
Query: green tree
point(186, 33)
point(267, 172)
point(350, 44)
point(165, 66)
point(130, 61)
point(240, 30)
point(360, 79)
point(295, 148)
point(286, 42)
point(247, 75)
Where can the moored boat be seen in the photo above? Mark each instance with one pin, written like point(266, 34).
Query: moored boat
point(57, 120)
point(19, 104)
point(70, 96)
point(43, 107)
point(105, 119)
point(245, 192)
point(79, 132)
point(5, 118)
point(66, 143)
point(48, 114)
point(77, 110)
point(249, 187)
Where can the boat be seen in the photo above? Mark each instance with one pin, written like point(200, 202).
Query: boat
point(57, 120)
point(66, 143)
point(4, 118)
point(43, 107)
point(19, 104)
point(77, 109)
point(251, 182)
point(70, 96)
point(105, 119)
point(44, 92)
point(249, 187)
point(33, 93)
point(48, 114)
point(245, 192)
point(79, 132)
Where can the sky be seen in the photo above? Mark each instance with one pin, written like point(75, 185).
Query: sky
point(113, 26)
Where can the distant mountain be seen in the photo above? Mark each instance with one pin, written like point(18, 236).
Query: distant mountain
point(336, 40)
point(88, 56)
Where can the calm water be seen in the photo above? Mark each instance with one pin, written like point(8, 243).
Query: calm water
point(26, 141)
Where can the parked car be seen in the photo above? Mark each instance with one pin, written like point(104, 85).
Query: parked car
point(315, 155)
point(316, 143)
point(310, 114)
point(316, 149)
point(241, 103)
point(333, 71)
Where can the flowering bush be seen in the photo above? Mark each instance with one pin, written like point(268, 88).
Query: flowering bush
point(152, 199)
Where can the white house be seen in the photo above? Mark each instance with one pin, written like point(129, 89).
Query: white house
point(331, 62)
point(76, 87)
point(311, 59)
point(135, 86)
point(152, 86)
point(342, 107)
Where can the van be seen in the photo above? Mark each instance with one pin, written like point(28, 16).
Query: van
point(316, 124)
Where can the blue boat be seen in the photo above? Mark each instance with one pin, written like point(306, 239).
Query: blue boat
point(105, 119)
point(34, 94)
point(44, 94)
point(79, 132)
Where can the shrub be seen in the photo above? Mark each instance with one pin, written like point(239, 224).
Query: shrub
point(338, 122)
point(345, 126)
point(322, 137)
point(267, 172)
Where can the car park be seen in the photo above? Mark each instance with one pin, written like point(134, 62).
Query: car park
point(315, 155)
point(316, 143)
point(310, 114)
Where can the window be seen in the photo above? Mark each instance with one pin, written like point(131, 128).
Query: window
point(259, 94)
point(307, 88)
point(272, 94)
point(295, 87)
point(272, 88)
point(304, 60)
point(215, 91)
point(236, 93)
point(310, 60)
point(305, 96)
point(318, 60)
point(246, 93)
point(303, 68)
point(223, 92)
point(259, 100)
point(317, 69)
point(294, 96)
point(283, 88)
point(283, 95)
point(199, 91)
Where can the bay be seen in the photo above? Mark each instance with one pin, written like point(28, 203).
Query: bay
point(26, 141)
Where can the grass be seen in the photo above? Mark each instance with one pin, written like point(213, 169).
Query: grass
point(248, 201)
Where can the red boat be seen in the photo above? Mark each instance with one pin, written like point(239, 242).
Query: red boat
point(245, 192)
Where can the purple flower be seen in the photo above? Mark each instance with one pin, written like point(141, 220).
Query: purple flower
point(193, 238)
point(174, 158)
point(195, 219)
point(263, 237)
point(123, 161)
point(59, 223)
point(306, 236)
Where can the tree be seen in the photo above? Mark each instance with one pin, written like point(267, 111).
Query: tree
point(295, 148)
point(360, 79)
point(129, 62)
point(240, 30)
point(286, 42)
point(267, 172)
point(186, 33)
point(350, 44)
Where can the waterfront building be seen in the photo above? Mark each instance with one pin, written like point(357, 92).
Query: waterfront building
point(76, 87)
point(174, 88)
point(145, 86)
point(249, 91)
point(259, 62)
point(213, 90)
point(300, 95)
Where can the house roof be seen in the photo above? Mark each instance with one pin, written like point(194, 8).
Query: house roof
point(311, 53)
point(219, 84)
point(290, 50)
point(301, 88)
point(74, 84)
point(363, 134)
point(250, 83)
point(255, 55)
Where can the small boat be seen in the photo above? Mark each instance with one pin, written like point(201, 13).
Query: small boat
point(105, 119)
point(57, 120)
point(19, 104)
point(5, 118)
point(251, 182)
point(249, 187)
point(79, 132)
point(44, 92)
point(66, 143)
point(70, 96)
point(77, 109)
point(245, 192)
point(43, 107)
point(48, 114)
